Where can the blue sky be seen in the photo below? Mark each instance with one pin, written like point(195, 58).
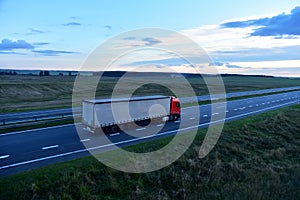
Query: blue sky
point(250, 37)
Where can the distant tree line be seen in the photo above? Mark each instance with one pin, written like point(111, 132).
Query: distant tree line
point(44, 73)
point(9, 73)
point(38, 73)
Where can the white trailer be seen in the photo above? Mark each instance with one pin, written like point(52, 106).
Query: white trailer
point(108, 114)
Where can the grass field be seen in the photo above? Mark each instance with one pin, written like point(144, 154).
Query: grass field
point(21, 93)
point(255, 158)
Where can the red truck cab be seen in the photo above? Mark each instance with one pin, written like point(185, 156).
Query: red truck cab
point(175, 108)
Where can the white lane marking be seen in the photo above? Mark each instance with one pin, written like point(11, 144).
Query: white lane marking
point(85, 140)
point(205, 115)
point(160, 124)
point(140, 129)
point(242, 108)
point(38, 129)
point(50, 147)
point(227, 111)
point(250, 106)
point(215, 114)
point(177, 121)
point(141, 138)
point(5, 156)
point(256, 105)
point(114, 134)
point(235, 109)
point(192, 118)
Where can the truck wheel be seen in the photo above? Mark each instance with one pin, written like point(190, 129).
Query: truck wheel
point(114, 129)
point(175, 117)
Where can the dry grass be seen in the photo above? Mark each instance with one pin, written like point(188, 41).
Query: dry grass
point(19, 93)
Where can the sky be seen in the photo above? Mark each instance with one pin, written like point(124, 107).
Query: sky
point(240, 37)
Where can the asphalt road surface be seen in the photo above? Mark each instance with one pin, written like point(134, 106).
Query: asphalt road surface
point(44, 114)
point(25, 150)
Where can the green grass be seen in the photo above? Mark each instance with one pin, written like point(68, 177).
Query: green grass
point(255, 158)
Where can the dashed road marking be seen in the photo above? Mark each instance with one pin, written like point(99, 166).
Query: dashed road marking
point(114, 134)
point(5, 156)
point(159, 124)
point(140, 129)
point(84, 140)
point(205, 115)
point(192, 118)
point(50, 147)
point(177, 121)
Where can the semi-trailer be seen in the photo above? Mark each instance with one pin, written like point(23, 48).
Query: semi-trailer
point(112, 114)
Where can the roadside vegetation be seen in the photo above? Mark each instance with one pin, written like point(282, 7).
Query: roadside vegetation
point(255, 158)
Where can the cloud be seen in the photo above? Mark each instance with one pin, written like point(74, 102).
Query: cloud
point(72, 24)
point(53, 52)
point(8, 45)
point(258, 54)
point(130, 38)
point(216, 64)
point(230, 66)
point(226, 65)
point(36, 31)
point(12, 53)
point(74, 17)
point(159, 62)
point(40, 43)
point(108, 27)
point(150, 41)
point(283, 24)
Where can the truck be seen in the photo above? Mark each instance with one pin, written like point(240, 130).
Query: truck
point(111, 115)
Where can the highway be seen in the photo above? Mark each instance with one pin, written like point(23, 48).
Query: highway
point(25, 150)
point(18, 117)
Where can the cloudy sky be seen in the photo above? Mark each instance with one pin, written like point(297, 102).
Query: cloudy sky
point(250, 37)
